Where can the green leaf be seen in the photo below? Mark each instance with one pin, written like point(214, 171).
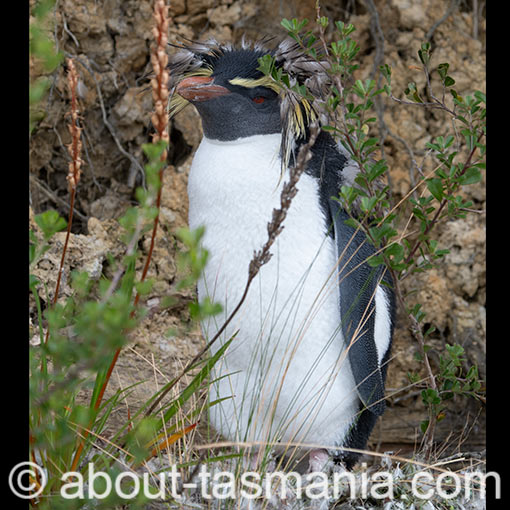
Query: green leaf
point(200, 311)
point(375, 260)
point(377, 169)
point(32, 282)
point(310, 41)
point(359, 89)
point(471, 176)
point(385, 230)
point(455, 351)
point(286, 24)
point(352, 222)
point(442, 69)
point(417, 313)
point(480, 96)
point(424, 53)
point(348, 194)
point(472, 372)
point(370, 142)
point(429, 331)
point(50, 223)
point(324, 21)
point(395, 251)
point(412, 92)
point(448, 142)
point(458, 99)
point(190, 238)
point(435, 186)
point(143, 288)
point(368, 203)
point(294, 25)
point(449, 81)
point(154, 151)
point(413, 377)
point(386, 72)
point(266, 64)
point(430, 396)
point(345, 30)
point(81, 282)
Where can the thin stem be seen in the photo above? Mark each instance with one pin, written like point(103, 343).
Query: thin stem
point(74, 173)
point(64, 249)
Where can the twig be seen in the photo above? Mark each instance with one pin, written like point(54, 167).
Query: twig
point(377, 35)
point(477, 14)
point(74, 173)
point(55, 198)
point(67, 31)
point(436, 105)
point(453, 5)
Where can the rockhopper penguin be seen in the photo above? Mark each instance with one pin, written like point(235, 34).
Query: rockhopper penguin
point(308, 363)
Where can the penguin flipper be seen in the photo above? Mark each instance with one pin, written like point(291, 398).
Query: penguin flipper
point(357, 287)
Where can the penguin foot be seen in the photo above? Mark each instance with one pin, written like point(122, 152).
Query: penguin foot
point(317, 460)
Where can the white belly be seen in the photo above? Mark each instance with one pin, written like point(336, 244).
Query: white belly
point(289, 377)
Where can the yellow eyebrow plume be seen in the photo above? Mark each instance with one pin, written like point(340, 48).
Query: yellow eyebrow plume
point(250, 83)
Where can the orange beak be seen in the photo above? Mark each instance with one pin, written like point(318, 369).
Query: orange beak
point(200, 88)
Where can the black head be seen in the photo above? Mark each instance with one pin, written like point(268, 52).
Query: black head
point(236, 100)
point(232, 97)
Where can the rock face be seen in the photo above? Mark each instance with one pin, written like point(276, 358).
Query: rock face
point(111, 40)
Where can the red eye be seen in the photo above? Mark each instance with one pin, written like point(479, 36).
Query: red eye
point(259, 99)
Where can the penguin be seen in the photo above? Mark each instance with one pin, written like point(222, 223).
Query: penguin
point(311, 342)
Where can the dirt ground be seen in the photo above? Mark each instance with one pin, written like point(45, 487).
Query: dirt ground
point(110, 41)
